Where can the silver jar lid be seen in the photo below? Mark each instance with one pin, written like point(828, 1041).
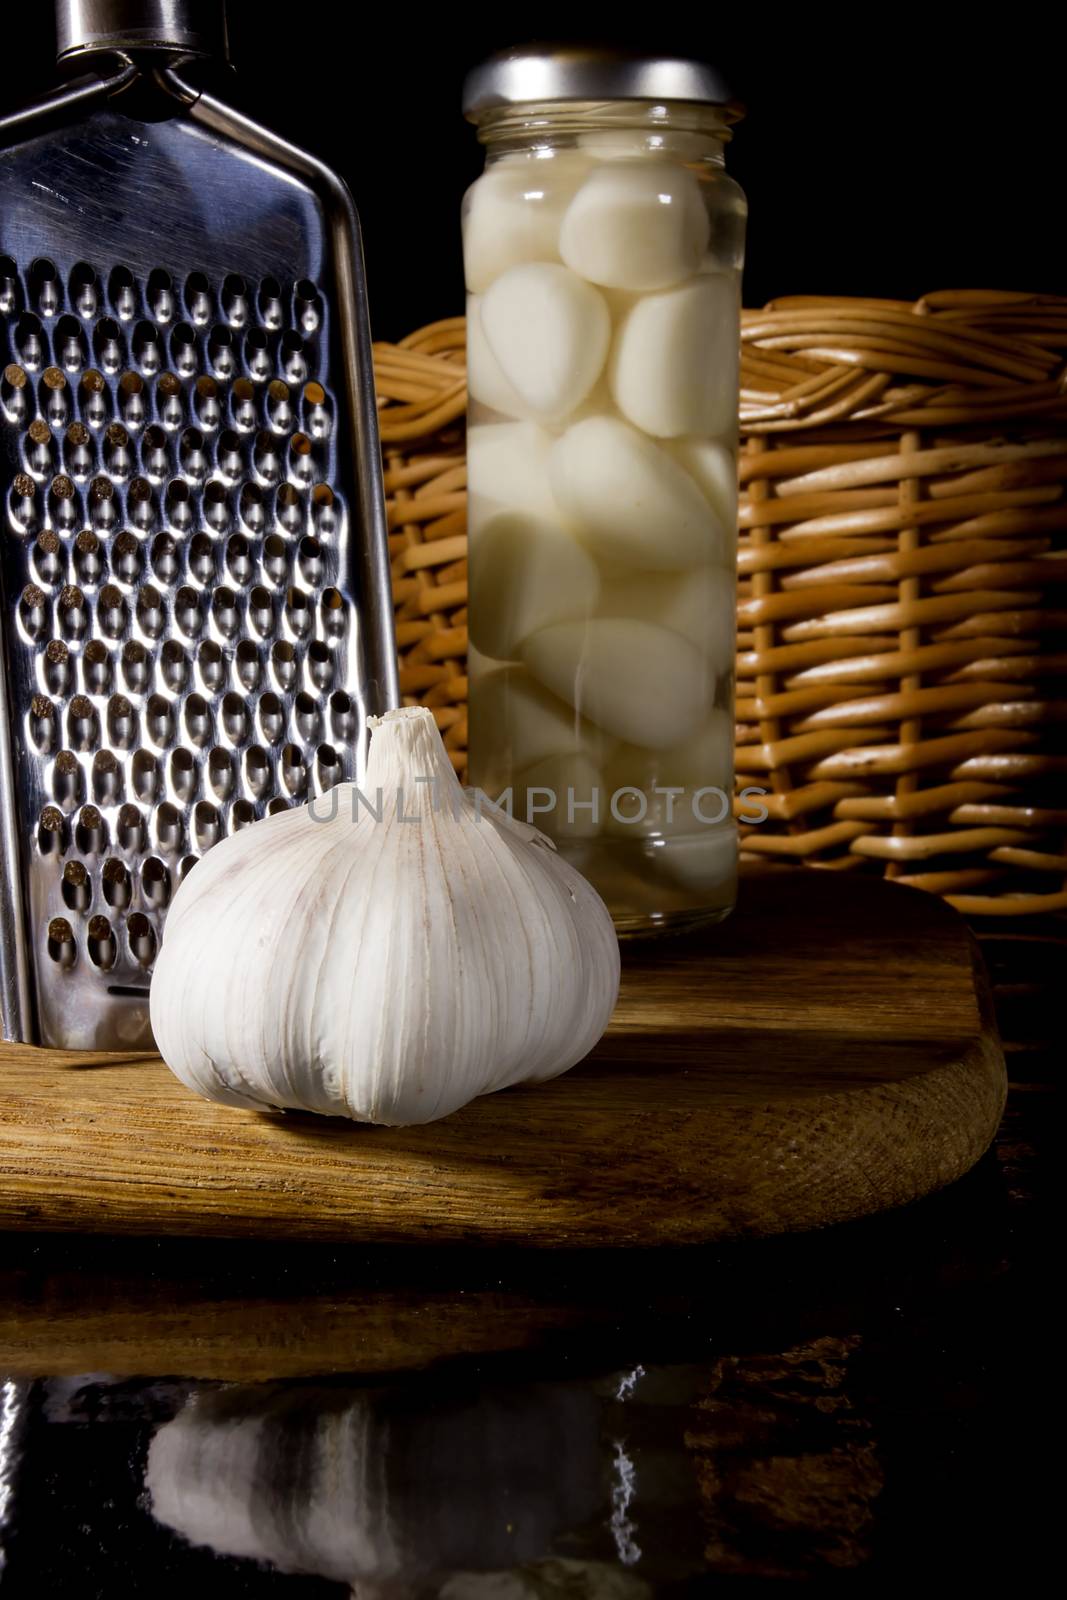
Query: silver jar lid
point(537, 73)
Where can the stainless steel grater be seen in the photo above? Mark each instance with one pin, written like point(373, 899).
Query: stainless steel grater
point(196, 615)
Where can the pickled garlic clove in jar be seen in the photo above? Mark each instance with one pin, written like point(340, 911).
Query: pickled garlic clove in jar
point(525, 573)
point(674, 360)
point(516, 722)
point(632, 679)
point(547, 331)
point(636, 225)
point(514, 212)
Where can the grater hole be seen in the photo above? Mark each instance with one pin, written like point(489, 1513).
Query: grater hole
point(317, 419)
point(226, 611)
point(183, 350)
point(164, 558)
point(69, 342)
point(307, 715)
point(34, 610)
point(261, 610)
point(155, 882)
point(121, 722)
point(97, 669)
point(207, 825)
point(101, 943)
point(76, 886)
point(270, 302)
point(283, 664)
point(235, 299)
point(29, 340)
point(84, 289)
point(239, 558)
point(126, 555)
point(243, 401)
point(234, 718)
point(146, 348)
point(131, 399)
point(257, 354)
point(202, 558)
point(83, 727)
point(61, 946)
point(220, 772)
point(320, 664)
point(298, 612)
point(308, 306)
point(159, 717)
point(141, 937)
point(288, 508)
point(257, 771)
point(73, 611)
point(186, 866)
point(136, 665)
point(92, 395)
point(88, 561)
point(275, 557)
point(103, 510)
point(279, 803)
point(122, 293)
point(228, 456)
point(151, 612)
point(333, 610)
point(329, 765)
point(130, 829)
point(241, 814)
point(146, 779)
point(161, 294)
point(212, 664)
point(187, 613)
point(206, 402)
point(216, 507)
point(247, 664)
point(57, 666)
point(90, 833)
point(291, 357)
point(342, 716)
point(109, 345)
point(198, 302)
point(117, 884)
point(68, 779)
point(279, 407)
point(310, 557)
point(9, 286)
point(271, 717)
point(42, 722)
point(183, 775)
point(52, 831)
point(169, 827)
point(323, 511)
point(43, 281)
point(198, 719)
point(266, 457)
point(107, 779)
point(173, 663)
point(154, 452)
point(293, 770)
point(251, 505)
point(22, 506)
point(220, 351)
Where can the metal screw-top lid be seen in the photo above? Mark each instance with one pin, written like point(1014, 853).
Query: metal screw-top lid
point(537, 73)
point(175, 27)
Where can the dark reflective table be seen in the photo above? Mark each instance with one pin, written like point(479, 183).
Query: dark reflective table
point(859, 1407)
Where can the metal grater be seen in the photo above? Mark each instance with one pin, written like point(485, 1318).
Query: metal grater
point(196, 614)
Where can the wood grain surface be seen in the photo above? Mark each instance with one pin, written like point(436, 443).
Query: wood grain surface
point(825, 1054)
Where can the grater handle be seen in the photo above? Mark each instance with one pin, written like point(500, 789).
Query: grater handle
point(64, 103)
point(176, 27)
point(376, 619)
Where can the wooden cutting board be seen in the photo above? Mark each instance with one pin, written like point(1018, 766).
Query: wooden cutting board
point(826, 1053)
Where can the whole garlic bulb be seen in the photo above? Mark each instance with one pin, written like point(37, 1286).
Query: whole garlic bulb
point(386, 970)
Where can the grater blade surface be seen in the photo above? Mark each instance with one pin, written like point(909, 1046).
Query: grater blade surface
point(195, 609)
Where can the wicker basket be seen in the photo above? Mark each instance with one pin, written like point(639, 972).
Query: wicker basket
point(901, 681)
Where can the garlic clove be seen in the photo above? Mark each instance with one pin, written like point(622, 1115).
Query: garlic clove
point(635, 225)
point(629, 500)
point(384, 964)
point(486, 383)
point(633, 679)
point(674, 362)
point(515, 723)
point(514, 212)
point(564, 794)
point(665, 798)
point(713, 466)
point(525, 572)
point(699, 605)
point(548, 331)
point(704, 862)
point(507, 467)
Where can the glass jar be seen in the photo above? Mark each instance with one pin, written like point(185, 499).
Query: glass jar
point(603, 247)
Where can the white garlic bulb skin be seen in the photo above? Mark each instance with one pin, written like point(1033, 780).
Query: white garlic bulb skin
point(387, 971)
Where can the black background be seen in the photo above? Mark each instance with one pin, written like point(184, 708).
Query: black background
point(884, 152)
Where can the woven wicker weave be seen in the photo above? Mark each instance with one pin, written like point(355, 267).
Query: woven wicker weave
point(901, 675)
